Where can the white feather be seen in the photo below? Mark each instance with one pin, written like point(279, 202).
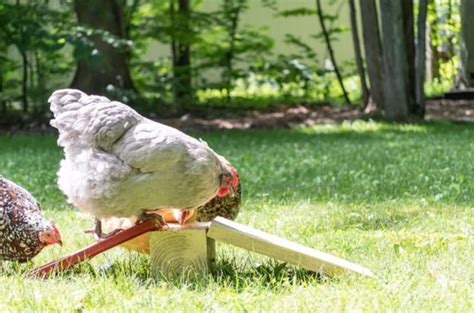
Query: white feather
point(118, 163)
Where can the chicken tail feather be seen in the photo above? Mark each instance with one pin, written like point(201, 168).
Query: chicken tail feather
point(89, 120)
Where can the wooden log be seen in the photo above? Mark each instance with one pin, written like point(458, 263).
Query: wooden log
point(284, 250)
point(182, 250)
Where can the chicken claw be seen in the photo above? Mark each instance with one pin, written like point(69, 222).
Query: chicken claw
point(99, 235)
point(147, 215)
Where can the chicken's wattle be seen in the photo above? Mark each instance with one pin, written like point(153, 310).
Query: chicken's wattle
point(224, 191)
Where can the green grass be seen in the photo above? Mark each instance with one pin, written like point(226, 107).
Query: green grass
point(395, 198)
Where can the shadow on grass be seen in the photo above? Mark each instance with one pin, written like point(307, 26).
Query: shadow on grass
point(273, 275)
point(228, 273)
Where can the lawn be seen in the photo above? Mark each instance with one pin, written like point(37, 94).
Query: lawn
point(394, 198)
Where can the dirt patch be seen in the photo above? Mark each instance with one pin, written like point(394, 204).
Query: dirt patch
point(275, 118)
point(288, 117)
point(282, 116)
point(453, 110)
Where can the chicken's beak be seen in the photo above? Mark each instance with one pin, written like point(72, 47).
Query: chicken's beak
point(60, 242)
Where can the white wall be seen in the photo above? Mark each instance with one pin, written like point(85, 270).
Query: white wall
point(301, 26)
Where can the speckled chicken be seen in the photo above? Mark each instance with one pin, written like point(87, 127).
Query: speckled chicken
point(24, 231)
point(119, 164)
point(227, 207)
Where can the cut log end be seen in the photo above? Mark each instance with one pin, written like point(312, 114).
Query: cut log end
point(181, 252)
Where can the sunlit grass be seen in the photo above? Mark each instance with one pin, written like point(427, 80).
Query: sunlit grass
point(395, 198)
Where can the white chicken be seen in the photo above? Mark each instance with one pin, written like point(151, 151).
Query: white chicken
point(119, 164)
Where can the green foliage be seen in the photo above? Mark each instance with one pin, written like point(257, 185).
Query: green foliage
point(306, 51)
point(395, 198)
point(80, 38)
point(232, 62)
point(444, 18)
point(214, 52)
point(35, 31)
point(285, 72)
point(219, 44)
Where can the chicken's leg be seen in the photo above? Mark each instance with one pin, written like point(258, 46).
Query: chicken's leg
point(184, 216)
point(147, 215)
point(99, 235)
point(180, 216)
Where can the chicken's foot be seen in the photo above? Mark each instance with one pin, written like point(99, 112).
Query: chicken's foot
point(97, 231)
point(148, 215)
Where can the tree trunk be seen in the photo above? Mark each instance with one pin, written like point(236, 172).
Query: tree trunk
point(182, 59)
point(395, 60)
point(24, 80)
point(429, 53)
point(229, 55)
point(409, 37)
point(420, 58)
point(40, 83)
point(434, 40)
point(111, 65)
point(128, 16)
point(40, 77)
point(330, 50)
point(358, 53)
point(451, 25)
point(467, 42)
point(174, 52)
point(373, 52)
point(181, 54)
point(3, 104)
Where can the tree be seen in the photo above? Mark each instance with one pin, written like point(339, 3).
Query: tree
point(408, 19)
point(395, 61)
point(433, 72)
point(358, 53)
point(403, 85)
point(19, 28)
point(3, 104)
point(181, 52)
point(231, 10)
point(373, 52)
point(330, 49)
point(420, 56)
point(36, 31)
point(467, 45)
point(223, 42)
point(107, 62)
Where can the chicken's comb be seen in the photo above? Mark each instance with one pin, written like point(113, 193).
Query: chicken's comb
point(55, 229)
